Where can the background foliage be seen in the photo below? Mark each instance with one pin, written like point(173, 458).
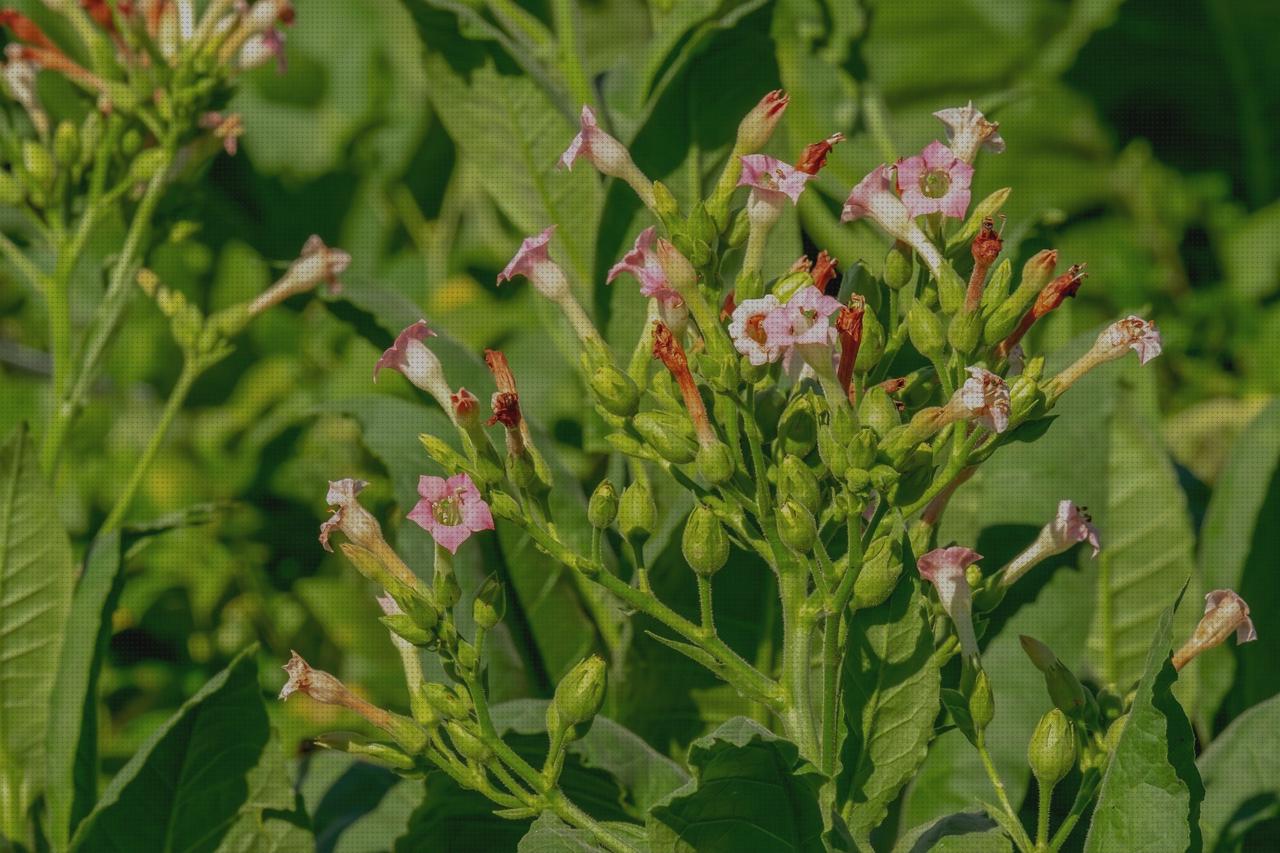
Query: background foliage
point(421, 137)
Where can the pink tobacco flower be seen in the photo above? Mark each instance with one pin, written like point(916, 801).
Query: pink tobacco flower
point(451, 510)
point(533, 261)
point(874, 198)
point(935, 181)
point(749, 333)
point(805, 319)
point(1071, 524)
point(349, 516)
point(765, 174)
point(606, 153)
point(983, 398)
point(261, 48)
point(405, 349)
point(968, 130)
point(946, 569)
point(1225, 613)
point(1132, 333)
point(642, 263)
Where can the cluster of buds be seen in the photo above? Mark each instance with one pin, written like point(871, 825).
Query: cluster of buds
point(795, 411)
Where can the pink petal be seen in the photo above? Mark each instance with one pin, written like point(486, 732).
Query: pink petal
point(938, 156)
point(449, 537)
point(955, 203)
point(422, 515)
point(946, 563)
point(433, 489)
point(531, 251)
point(476, 516)
point(393, 357)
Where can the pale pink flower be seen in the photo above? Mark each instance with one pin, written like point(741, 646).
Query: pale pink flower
point(261, 48)
point(767, 174)
point(405, 349)
point(1071, 524)
point(1225, 613)
point(935, 181)
point(349, 515)
point(1132, 333)
point(946, 569)
point(606, 153)
point(750, 334)
point(317, 684)
point(968, 130)
point(984, 397)
point(451, 510)
point(642, 262)
point(874, 198)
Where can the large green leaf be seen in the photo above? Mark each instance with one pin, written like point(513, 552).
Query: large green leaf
point(737, 768)
point(271, 819)
point(891, 685)
point(549, 834)
point(73, 714)
point(1148, 550)
point(1151, 793)
point(184, 789)
point(1241, 773)
point(1240, 548)
point(964, 832)
point(37, 573)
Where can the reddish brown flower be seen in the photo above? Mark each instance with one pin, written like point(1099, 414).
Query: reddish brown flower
point(668, 350)
point(824, 272)
point(815, 155)
point(1053, 295)
point(849, 327)
point(985, 248)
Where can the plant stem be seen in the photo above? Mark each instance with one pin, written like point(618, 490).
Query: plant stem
point(793, 586)
point(704, 605)
point(1088, 785)
point(1023, 841)
point(574, 816)
point(490, 735)
point(114, 301)
point(563, 11)
point(1044, 795)
point(830, 691)
point(190, 371)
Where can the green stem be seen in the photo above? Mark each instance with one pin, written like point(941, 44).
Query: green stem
point(830, 691)
point(490, 734)
point(1023, 841)
point(1045, 795)
point(574, 816)
point(190, 371)
point(704, 605)
point(114, 301)
point(796, 629)
point(18, 258)
point(1088, 785)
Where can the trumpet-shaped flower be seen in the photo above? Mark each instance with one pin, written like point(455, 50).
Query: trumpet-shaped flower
point(750, 335)
point(984, 398)
point(533, 261)
point(968, 130)
point(935, 181)
point(642, 263)
point(946, 569)
point(1071, 524)
point(765, 174)
point(451, 510)
point(1132, 333)
point(874, 198)
point(349, 516)
point(1225, 613)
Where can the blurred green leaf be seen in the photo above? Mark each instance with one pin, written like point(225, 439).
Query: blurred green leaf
point(965, 832)
point(37, 574)
point(1241, 773)
point(735, 768)
point(184, 788)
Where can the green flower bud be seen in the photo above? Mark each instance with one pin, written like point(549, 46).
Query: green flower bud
point(130, 142)
point(637, 513)
point(1034, 368)
point(951, 289)
point(792, 283)
point(982, 705)
point(602, 509)
point(580, 694)
point(873, 342)
point(714, 463)
point(38, 164)
point(898, 266)
point(700, 227)
point(884, 478)
point(1024, 398)
point(468, 745)
point(704, 543)
point(444, 702)
point(925, 330)
point(770, 404)
point(748, 285)
point(381, 753)
point(147, 165)
point(877, 410)
point(1065, 690)
point(797, 481)
point(832, 451)
point(521, 470)
point(1052, 751)
point(861, 451)
point(404, 626)
point(857, 479)
point(11, 192)
point(1036, 273)
point(964, 332)
point(669, 434)
point(997, 289)
point(796, 527)
point(467, 656)
point(664, 201)
point(739, 230)
point(444, 584)
point(1114, 732)
point(66, 144)
point(798, 427)
point(490, 603)
point(615, 391)
point(881, 569)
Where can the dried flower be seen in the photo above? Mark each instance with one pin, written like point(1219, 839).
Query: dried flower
point(757, 126)
point(1048, 299)
point(983, 398)
point(317, 263)
point(935, 181)
point(985, 248)
point(946, 569)
point(325, 688)
point(1224, 613)
point(1131, 333)
point(349, 516)
point(968, 130)
point(814, 156)
point(1071, 524)
point(229, 128)
point(451, 510)
point(849, 329)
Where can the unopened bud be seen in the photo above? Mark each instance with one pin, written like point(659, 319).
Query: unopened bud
point(637, 513)
point(965, 332)
point(1052, 751)
point(714, 462)
point(982, 705)
point(997, 289)
point(468, 745)
point(602, 509)
point(580, 694)
point(664, 202)
point(1036, 273)
point(791, 284)
point(444, 702)
point(796, 527)
point(1116, 729)
point(1065, 690)
point(1024, 398)
point(925, 331)
point(758, 125)
point(704, 543)
point(798, 427)
point(669, 434)
point(797, 481)
point(877, 410)
point(739, 229)
point(404, 626)
point(490, 604)
point(881, 569)
point(147, 165)
point(66, 144)
point(899, 266)
point(861, 452)
point(38, 163)
point(615, 391)
point(873, 342)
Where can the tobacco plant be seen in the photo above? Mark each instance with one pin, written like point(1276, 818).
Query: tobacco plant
point(820, 424)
